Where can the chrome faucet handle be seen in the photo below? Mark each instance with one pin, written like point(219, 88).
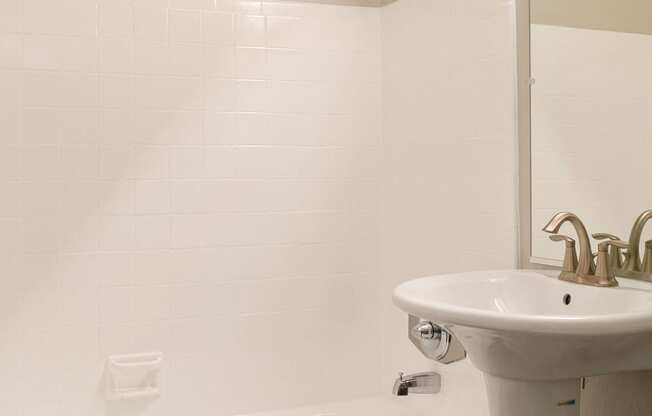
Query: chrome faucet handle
point(569, 268)
point(605, 271)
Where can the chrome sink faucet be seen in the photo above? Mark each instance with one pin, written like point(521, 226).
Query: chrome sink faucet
point(418, 383)
point(586, 272)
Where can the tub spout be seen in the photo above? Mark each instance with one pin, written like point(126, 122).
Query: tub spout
point(419, 383)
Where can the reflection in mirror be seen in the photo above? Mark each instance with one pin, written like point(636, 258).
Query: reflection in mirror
point(591, 117)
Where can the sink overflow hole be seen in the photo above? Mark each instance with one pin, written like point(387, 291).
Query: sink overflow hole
point(567, 299)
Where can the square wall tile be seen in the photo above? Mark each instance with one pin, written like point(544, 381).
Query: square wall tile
point(218, 27)
point(11, 51)
point(186, 162)
point(11, 121)
point(116, 54)
point(240, 6)
point(251, 63)
point(60, 53)
point(253, 96)
point(60, 89)
point(40, 162)
point(60, 17)
point(11, 18)
point(80, 162)
point(219, 61)
point(184, 25)
point(150, 19)
point(152, 232)
point(193, 4)
point(250, 30)
point(116, 17)
point(12, 85)
point(152, 197)
point(221, 95)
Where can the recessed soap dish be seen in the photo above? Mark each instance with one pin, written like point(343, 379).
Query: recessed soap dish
point(133, 376)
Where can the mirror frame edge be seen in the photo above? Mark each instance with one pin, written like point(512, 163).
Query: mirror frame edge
point(526, 260)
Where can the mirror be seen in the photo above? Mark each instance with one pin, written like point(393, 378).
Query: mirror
point(591, 117)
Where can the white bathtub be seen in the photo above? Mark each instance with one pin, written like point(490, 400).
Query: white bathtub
point(371, 406)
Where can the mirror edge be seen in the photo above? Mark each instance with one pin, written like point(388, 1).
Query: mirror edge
point(523, 133)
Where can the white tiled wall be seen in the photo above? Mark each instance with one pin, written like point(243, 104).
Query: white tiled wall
point(204, 177)
point(193, 176)
point(591, 126)
point(448, 133)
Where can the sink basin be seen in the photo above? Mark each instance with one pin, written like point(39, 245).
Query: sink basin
point(534, 336)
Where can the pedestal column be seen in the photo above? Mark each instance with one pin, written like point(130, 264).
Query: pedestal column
point(509, 397)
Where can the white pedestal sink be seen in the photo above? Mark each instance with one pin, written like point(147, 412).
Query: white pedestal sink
point(534, 336)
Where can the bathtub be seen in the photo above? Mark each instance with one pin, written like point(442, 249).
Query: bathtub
point(369, 406)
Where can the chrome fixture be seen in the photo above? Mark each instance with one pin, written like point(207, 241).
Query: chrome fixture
point(570, 256)
point(434, 341)
point(418, 383)
point(425, 330)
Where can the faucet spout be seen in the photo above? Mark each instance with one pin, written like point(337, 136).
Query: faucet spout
point(419, 383)
point(585, 265)
point(633, 263)
point(400, 386)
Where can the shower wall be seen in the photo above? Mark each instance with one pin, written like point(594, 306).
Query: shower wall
point(449, 166)
point(207, 178)
point(195, 177)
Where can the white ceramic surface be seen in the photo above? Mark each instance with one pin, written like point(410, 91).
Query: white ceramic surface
point(528, 301)
point(516, 323)
point(531, 345)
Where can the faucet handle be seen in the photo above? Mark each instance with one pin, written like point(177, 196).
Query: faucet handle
point(605, 236)
point(647, 258)
point(605, 269)
point(604, 246)
point(615, 256)
point(560, 237)
point(569, 267)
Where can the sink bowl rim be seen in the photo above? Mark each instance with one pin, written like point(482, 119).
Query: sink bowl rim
point(586, 325)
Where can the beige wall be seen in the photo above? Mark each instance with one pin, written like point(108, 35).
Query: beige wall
point(633, 16)
point(448, 118)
